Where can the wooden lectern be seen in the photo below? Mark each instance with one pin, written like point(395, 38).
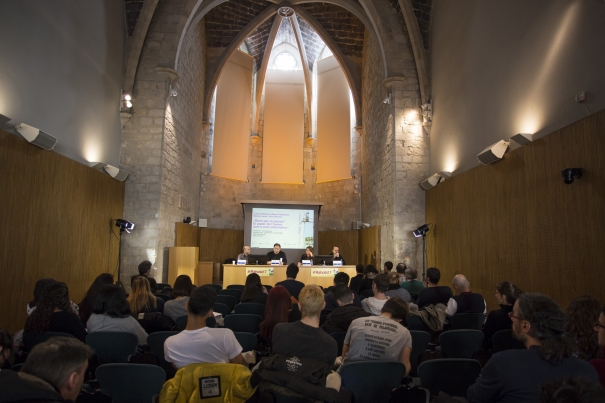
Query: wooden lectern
point(184, 260)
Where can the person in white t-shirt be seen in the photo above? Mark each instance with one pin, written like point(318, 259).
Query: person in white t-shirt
point(198, 343)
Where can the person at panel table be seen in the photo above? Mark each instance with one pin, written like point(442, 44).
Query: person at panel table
point(308, 255)
point(337, 255)
point(277, 254)
point(244, 255)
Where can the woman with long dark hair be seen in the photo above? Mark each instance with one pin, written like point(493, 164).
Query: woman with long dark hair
point(141, 300)
point(279, 305)
point(506, 295)
point(111, 313)
point(91, 295)
point(254, 290)
point(582, 314)
point(54, 314)
point(181, 291)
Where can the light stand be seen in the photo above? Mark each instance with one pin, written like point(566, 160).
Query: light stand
point(127, 226)
point(421, 232)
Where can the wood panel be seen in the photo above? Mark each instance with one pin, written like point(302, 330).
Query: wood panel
point(516, 220)
point(216, 245)
point(369, 246)
point(56, 221)
point(347, 242)
point(186, 235)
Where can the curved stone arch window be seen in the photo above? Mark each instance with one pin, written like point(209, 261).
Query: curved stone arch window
point(285, 61)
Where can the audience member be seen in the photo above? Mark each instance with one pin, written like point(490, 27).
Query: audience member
point(111, 313)
point(395, 290)
point(54, 314)
point(599, 363)
point(380, 337)
point(279, 307)
point(388, 266)
point(53, 372)
point(199, 343)
point(516, 375)
point(356, 280)
point(464, 301)
point(499, 319)
point(39, 289)
point(290, 283)
point(346, 311)
point(6, 348)
point(374, 304)
point(254, 290)
point(368, 278)
point(582, 314)
point(331, 301)
point(308, 255)
point(433, 293)
point(304, 338)
point(88, 301)
point(411, 283)
point(175, 308)
point(141, 300)
point(145, 270)
point(400, 269)
point(571, 390)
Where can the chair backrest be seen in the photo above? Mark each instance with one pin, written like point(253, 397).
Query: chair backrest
point(467, 321)
point(236, 287)
point(217, 287)
point(181, 323)
point(223, 309)
point(248, 341)
point(228, 300)
point(243, 323)
point(130, 383)
point(156, 343)
point(450, 375)
point(340, 339)
point(268, 287)
point(161, 286)
point(461, 343)
point(251, 308)
point(112, 347)
point(233, 292)
point(420, 341)
point(30, 340)
point(372, 381)
point(156, 322)
point(504, 340)
point(367, 293)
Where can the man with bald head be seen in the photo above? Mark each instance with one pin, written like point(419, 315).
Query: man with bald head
point(465, 301)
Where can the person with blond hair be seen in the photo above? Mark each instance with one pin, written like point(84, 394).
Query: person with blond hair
point(141, 299)
point(304, 338)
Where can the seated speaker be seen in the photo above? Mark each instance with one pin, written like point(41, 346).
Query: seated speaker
point(493, 153)
point(36, 136)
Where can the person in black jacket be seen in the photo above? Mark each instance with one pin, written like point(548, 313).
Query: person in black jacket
point(433, 293)
point(355, 281)
point(331, 301)
point(368, 278)
point(277, 254)
point(506, 294)
point(340, 319)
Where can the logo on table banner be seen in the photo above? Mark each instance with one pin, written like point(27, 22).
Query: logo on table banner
point(210, 386)
point(261, 271)
point(327, 272)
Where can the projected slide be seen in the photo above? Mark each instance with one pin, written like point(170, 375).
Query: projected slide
point(292, 229)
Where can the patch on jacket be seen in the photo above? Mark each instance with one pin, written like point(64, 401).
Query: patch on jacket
point(293, 364)
point(210, 386)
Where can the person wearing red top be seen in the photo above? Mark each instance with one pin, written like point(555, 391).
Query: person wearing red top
point(599, 363)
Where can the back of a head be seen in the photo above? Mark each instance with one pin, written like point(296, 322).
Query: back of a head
point(397, 307)
point(111, 300)
point(6, 340)
point(277, 309)
point(369, 270)
point(39, 289)
point(88, 301)
point(433, 274)
point(201, 300)
point(54, 296)
point(182, 286)
point(400, 268)
point(460, 283)
point(571, 390)
point(311, 300)
point(359, 268)
point(140, 295)
point(252, 287)
point(547, 325)
point(388, 265)
point(510, 291)
point(382, 283)
point(144, 266)
point(411, 273)
point(343, 294)
point(582, 314)
point(292, 270)
point(56, 359)
point(393, 277)
point(341, 278)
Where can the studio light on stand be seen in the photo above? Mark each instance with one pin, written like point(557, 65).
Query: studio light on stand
point(127, 226)
point(421, 232)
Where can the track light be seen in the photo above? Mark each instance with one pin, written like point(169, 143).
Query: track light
point(493, 153)
point(124, 225)
point(36, 136)
point(421, 231)
point(116, 173)
point(569, 174)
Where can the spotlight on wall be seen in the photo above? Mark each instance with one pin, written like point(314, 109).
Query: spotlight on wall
point(126, 101)
point(569, 174)
point(97, 165)
point(445, 175)
point(493, 153)
point(4, 120)
point(116, 173)
point(388, 98)
point(36, 136)
point(124, 225)
point(522, 138)
point(434, 180)
point(421, 231)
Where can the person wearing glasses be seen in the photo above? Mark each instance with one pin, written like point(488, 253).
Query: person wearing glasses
point(599, 363)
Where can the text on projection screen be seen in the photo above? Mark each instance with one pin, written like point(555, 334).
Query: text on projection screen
point(292, 229)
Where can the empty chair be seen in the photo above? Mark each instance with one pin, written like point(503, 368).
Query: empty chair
point(420, 341)
point(217, 287)
point(233, 292)
point(460, 343)
point(130, 383)
point(248, 341)
point(340, 339)
point(367, 293)
point(243, 323)
point(112, 347)
point(251, 308)
point(467, 321)
point(504, 340)
point(372, 381)
point(221, 308)
point(30, 339)
point(236, 287)
point(450, 375)
point(228, 300)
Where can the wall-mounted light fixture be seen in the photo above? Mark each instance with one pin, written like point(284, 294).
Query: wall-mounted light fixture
point(434, 180)
point(126, 102)
point(569, 174)
point(4, 120)
point(388, 99)
point(421, 231)
point(36, 136)
point(493, 153)
point(112, 171)
point(522, 138)
point(124, 225)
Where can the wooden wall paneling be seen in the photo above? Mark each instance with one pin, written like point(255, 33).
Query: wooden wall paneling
point(55, 222)
point(516, 220)
point(369, 246)
point(216, 245)
point(347, 241)
point(186, 235)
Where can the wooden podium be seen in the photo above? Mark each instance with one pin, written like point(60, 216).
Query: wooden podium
point(184, 260)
